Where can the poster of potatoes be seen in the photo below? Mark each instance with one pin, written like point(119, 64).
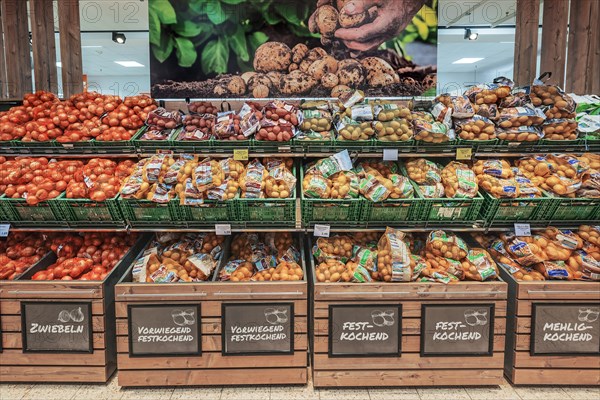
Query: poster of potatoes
point(292, 48)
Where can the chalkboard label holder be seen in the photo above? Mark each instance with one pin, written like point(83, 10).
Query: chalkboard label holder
point(256, 353)
point(492, 320)
point(534, 306)
point(130, 307)
point(86, 304)
point(364, 355)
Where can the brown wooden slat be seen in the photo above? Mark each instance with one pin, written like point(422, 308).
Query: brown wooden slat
point(385, 377)
point(70, 47)
point(595, 62)
point(14, 341)
point(410, 309)
point(522, 342)
point(16, 47)
point(17, 357)
point(63, 373)
point(212, 308)
point(3, 88)
point(212, 360)
point(555, 376)
point(14, 307)
point(581, 53)
point(12, 323)
point(410, 344)
point(524, 360)
point(526, 40)
point(554, 40)
point(207, 377)
point(51, 290)
point(213, 343)
point(410, 326)
point(212, 326)
point(44, 47)
point(558, 290)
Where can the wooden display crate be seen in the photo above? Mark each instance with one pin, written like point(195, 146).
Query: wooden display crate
point(412, 364)
point(210, 361)
point(531, 362)
point(86, 357)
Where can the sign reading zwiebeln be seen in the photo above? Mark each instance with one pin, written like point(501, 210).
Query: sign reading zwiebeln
point(457, 329)
point(365, 330)
point(266, 328)
point(164, 330)
point(57, 327)
point(565, 329)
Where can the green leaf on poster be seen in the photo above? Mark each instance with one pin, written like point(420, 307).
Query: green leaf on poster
point(164, 50)
point(164, 10)
point(288, 12)
point(190, 28)
point(186, 52)
point(233, 1)
point(154, 28)
point(256, 39)
point(215, 13)
point(238, 44)
point(215, 57)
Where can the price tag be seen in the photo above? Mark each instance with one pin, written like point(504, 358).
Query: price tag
point(522, 229)
point(223, 229)
point(68, 145)
point(390, 154)
point(240, 154)
point(4, 228)
point(464, 153)
point(322, 230)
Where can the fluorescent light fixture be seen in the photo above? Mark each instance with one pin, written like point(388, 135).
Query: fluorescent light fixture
point(467, 60)
point(91, 47)
point(58, 64)
point(469, 34)
point(129, 64)
point(508, 42)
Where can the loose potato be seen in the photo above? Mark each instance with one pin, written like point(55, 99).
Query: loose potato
point(379, 72)
point(272, 56)
point(296, 82)
point(350, 73)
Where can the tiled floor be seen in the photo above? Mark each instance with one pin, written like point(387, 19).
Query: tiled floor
point(111, 391)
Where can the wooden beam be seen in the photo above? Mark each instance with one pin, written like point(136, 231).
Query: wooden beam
point(3, 91)
point(70, 47)
point(582, 55)
point(554, 40)
point(44, 46)
point(16, 47)
point(526, 40)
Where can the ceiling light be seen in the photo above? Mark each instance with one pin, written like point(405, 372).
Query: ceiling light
point(90, 47)
point(119, 37)
point(129, 64)
point(58, 64)
point(467, 60)
point(470, 34)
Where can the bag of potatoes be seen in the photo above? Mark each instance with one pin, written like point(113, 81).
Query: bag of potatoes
point(497, 168)
point(582, 265)
point(476, 128)
point(237, 271)
point(375, 187)
point(316, 120)
point(499, 188)
point(442, 244)
point(524, 253)
point(252, 181)
point(459, 181)
point(482, 266)
point(344, 185)
point(448, 266)
point(554, 270)
point(590, 233)
point(332, 270)
point(393, 257)
point(424, 172)
point(337, 247)
point(385, 111)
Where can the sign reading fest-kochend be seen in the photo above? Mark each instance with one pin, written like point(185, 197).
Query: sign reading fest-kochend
point(291, 48)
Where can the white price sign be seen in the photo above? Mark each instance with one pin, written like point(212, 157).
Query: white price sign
point(390, 154)
point(4, 228)
point(522, 229)
point(322, 230)
point(223, 229)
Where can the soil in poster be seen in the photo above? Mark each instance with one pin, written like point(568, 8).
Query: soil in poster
point(290, 48)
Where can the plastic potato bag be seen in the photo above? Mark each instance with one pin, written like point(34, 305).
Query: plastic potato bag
point(554, 270)
point(333, 164)
point(393, 257)
point(459, 181)
point(251, 182)
point(482, 266)
point(316, 186)
point(373, 189)
point(423, 171)
point(524, 253)
point(448, 245)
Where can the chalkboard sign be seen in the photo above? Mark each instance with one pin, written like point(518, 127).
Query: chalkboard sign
point(457, 329)
point(565, 329)
point(164, 330)
point(365, 330)
point(257, 329)
point(56, 327)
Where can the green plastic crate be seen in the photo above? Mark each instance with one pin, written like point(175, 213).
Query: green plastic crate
point(353, 145)
point(21, 214)
point(578, 209)
point(514, 210)
point(10, 146)
point(75, 147)
point(5, 210)
point(151, 146)
point(113, 146)
point(403, 210)
point(210, 212)
point(333, 212)
point(450, 210)
point(83, 212)
point(146, 213)
point(191, 146)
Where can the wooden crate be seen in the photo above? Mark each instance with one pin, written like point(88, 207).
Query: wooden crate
point(212, 366)
point(409, 367)
point(19, 364)
point(524, 368)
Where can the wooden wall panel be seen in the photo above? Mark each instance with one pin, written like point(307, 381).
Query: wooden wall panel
point(3, 91)
point(70, 47)
point(526, 40)
point(582, 55)
point(554, 40)
point(16, 47)
point(44, 46)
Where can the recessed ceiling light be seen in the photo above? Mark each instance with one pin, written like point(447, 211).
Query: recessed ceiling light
point(91, 47)
point(129, 64)
point(119, 37)
point(508, 42)
point(469, 34)
point(58, 64)
point(467, 60)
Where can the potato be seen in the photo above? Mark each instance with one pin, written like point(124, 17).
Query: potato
point(447, 245)
point(395, 130)
point(336, 247)
point(560, 129)
point(332, 270)
point(272, 56)
point(459, 180)
point(326, 20)
point(379, 72)
point(350, 73)
point(296, 82)
point(423, 171)
point(476, 128)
